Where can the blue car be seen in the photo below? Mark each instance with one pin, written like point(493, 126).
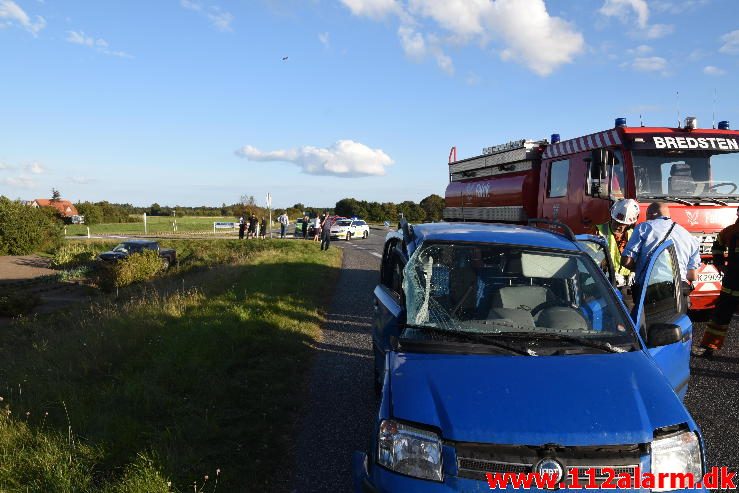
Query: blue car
point(505, 349)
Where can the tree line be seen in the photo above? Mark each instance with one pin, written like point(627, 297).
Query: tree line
point(428, 209)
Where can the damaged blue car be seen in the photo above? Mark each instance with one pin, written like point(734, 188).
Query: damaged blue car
point(505, 349)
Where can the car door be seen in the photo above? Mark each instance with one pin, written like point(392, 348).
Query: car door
point(596, 247)
point(659, 307)
point(389, 309)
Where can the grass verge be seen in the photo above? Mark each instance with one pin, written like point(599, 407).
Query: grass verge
point(171, 385)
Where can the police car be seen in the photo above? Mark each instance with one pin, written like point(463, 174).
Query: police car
point(346, 229)
point(502, 348)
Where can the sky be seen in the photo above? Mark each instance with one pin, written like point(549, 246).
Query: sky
point(200, 102)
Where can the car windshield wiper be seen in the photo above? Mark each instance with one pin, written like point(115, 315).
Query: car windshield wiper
point(583, 341)
point(486, 338)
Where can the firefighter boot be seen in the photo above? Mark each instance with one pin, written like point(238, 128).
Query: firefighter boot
point(713, 340)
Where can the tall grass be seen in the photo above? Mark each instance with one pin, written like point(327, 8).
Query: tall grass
point(199, 377)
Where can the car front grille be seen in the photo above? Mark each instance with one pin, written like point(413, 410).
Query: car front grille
point(474, 461)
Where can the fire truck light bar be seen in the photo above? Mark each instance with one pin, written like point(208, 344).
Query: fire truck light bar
point(514, 144)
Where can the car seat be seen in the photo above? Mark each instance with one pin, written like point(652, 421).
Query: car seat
point(527, 298)
point(681, 180)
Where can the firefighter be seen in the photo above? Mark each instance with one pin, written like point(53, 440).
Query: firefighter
point(624, 214)
point(713, 338)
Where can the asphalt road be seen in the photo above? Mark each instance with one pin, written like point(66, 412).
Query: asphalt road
point(341, 404)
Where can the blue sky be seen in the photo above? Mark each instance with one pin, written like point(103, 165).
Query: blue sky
point(189, 102)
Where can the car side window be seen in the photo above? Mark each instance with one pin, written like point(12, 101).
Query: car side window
point(661, 296)
point(559, 173)
point(391, 273)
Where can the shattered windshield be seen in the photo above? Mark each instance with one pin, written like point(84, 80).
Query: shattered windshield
point(686, 174)
point(513, 291)
point(343, 222)
point(122, 248)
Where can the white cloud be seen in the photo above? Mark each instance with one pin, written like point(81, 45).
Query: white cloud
point(345, 158)
point(640, 50)
point(656, 31)
point(219, 18)
point(374, 9)
point(473, 79)
point(623, 9)
point(731, 43)
point(34, 168)
point(650, 64)
point(324, 39)
point(711, 70)
point(11, 13)
point(81, 180)
point(6, 166)
point(677, 6)
point(98, 44)
point(18, 181)
point(529, 34)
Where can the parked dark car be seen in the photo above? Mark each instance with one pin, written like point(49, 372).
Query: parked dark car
point(123, 250)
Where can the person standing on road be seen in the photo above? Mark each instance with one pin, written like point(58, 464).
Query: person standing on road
point(617, 232)
point(242, 227)
point(317, 229)
point(326, 231)
point(649, 235)
point(728, 300)
point(263, 228)
point(306, 222)
point(284, 223)
point(252, 232)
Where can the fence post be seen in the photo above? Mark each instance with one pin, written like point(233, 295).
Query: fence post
point(88, 232)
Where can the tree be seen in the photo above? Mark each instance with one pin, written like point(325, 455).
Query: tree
point(155, 209)
point(25, 229)
point(433, 206)
point(93, 213)
point(55, 195)
point(412, 211)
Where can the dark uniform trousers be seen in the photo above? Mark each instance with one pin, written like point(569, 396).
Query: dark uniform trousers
point(728, 301)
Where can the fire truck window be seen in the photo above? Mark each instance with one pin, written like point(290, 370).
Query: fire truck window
point(617, 181)
point(559, 173)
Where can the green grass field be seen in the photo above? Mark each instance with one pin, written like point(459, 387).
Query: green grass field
point(155, 224)
point(199, 374)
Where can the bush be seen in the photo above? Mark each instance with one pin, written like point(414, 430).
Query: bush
point(138, 267)
point(25, 229)
point(72, 255)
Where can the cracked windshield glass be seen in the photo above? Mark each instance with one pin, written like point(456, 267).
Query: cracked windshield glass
point(494, 290)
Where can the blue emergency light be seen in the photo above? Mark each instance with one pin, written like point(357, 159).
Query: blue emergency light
point(620, 122)
point(724, 125)
point(555, 138)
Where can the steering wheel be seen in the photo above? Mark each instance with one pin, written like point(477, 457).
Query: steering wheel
point(550, 304)
point(717, 185)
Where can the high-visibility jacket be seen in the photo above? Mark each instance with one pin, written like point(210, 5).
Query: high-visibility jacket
point(605, 231)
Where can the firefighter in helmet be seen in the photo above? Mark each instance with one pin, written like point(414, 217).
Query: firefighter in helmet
point(728, 301)
point(624, 214)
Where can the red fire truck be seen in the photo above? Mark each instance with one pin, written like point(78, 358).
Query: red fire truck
point(575, 182)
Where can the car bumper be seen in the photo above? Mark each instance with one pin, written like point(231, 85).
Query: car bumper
point(381, 480)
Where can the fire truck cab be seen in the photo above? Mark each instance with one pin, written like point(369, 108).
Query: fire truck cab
point(576, 181)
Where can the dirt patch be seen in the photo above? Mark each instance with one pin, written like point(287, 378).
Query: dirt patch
point(15, 268)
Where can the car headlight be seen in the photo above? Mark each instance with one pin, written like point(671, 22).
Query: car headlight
point(677, 454)
point(410, 451)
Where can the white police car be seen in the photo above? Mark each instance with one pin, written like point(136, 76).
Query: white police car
point(347, 229)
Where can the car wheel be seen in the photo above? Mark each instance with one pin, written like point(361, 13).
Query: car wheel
point(165, 263)
point(348, 236)
point(365, 235)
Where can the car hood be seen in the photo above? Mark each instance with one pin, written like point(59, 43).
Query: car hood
point(588, 399)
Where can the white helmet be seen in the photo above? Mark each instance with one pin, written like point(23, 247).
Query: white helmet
point(625, 211)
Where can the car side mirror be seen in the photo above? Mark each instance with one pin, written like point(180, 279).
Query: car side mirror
point(661, 334)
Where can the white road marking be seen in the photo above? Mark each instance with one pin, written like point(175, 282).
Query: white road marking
point(376, 254)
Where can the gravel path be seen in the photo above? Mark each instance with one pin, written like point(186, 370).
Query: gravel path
point(341, 405)
point(24, 267)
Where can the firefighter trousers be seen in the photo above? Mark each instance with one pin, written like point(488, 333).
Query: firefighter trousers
point(718, 327)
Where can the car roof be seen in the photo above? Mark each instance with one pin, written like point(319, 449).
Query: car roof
point(509, 234)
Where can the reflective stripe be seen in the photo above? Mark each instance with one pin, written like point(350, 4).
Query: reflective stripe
point(717, 332)
point(726, 290)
